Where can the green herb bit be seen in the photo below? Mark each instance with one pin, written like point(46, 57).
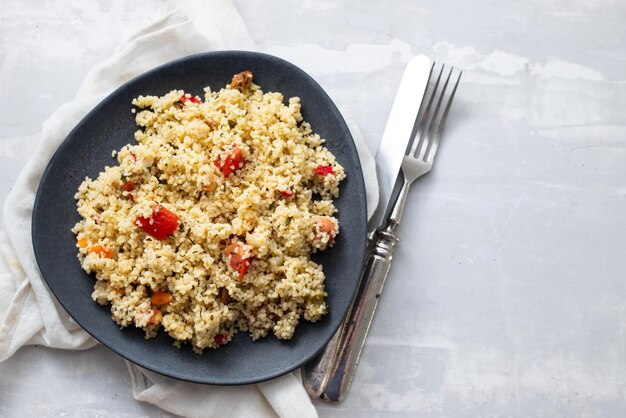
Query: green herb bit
point(232, 123)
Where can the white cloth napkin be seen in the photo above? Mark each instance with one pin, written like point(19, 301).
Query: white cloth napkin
point(32, 315)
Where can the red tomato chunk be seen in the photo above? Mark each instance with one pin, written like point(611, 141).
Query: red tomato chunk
point(220, 339)
point(324, 170)
point(233, 161)
point(192, 99)
point(239, 260)
point(129, 186)
point(161, 224)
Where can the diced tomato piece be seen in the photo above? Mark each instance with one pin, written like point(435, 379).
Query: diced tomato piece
point(220, 339)
point(82, 243)
point(324, 170)
point(239, 260)
point(325, 225)
point(192, 99)
point(129, 186)
point(133, 156)
point(233, 161)
point(102, 252)
point(286, 193)
point(161, 224)
point(160, 297)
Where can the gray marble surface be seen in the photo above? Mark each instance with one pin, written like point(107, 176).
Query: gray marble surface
point(507, 297)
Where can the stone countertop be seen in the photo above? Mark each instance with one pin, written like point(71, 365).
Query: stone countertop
point(507, 296)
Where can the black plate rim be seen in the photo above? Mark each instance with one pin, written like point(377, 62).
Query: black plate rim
point(65, 143)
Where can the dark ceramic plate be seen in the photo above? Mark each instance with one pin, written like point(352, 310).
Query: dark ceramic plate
point(87, 150)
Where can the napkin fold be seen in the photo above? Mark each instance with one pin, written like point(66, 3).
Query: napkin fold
point(33, 316)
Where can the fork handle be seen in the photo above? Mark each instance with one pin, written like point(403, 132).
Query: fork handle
point(351, 336)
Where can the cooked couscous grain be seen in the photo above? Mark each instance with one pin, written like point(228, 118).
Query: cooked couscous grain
point(206, 226)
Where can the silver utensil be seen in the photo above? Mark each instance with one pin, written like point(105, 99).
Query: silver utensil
point(398, 130)
point(329, 377)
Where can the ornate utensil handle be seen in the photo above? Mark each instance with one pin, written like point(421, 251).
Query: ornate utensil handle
point(317, 372)
point(351, 336)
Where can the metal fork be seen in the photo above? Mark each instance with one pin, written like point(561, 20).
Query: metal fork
point(335, 371)
point(420, 155)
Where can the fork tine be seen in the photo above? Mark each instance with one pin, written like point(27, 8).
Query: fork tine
point(430, 126)
point(432, 122)
point(438, 127)
point(417, 139)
